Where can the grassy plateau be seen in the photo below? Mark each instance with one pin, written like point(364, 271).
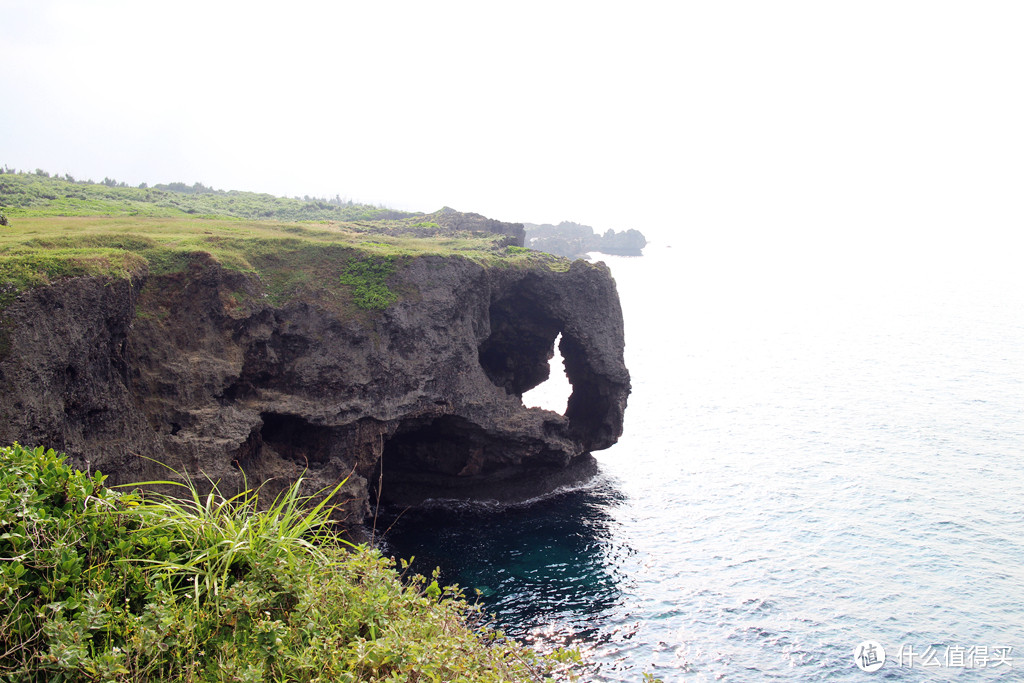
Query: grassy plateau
point(57, 228)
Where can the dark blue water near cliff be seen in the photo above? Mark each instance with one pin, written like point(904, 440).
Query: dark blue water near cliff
point(813, 458)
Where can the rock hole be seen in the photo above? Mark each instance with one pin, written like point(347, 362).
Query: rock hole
point(426, 457)
point(296, 439)
point(552, 394)
point(515, 355)
point(247, 455)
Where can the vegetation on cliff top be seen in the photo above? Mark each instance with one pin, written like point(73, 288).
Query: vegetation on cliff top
point(97, 585)
point(41, 194)
point(60, 228)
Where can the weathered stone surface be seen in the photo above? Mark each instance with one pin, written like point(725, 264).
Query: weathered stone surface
point(420, 400)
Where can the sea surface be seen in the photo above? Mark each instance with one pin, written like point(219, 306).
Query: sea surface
point(814, 458)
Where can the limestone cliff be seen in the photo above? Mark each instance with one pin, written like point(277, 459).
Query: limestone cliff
point(197, 369)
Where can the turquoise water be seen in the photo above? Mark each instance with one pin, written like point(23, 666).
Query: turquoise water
point(811, 460)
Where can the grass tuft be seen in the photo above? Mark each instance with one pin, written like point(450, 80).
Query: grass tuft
point(99, 585)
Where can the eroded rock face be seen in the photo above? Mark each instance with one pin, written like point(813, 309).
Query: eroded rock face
point(418, 401)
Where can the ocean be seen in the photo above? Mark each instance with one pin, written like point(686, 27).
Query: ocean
point(820, 479)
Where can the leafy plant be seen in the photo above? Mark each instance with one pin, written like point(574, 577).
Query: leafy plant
point(97, 585)
point(219, 536)
point(368, 279)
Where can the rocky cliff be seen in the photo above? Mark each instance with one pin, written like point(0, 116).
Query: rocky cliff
point(199, 370)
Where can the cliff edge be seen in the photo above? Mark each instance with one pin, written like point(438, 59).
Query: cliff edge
point(326, 349)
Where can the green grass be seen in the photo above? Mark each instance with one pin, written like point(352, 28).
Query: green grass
point(59, 229)
point(97, 585)
point(368, 278)
point(289, 259)
point(23, 269)
point(25, 194)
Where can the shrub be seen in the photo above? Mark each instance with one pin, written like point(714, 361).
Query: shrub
point(368, 279)
point(96, 585)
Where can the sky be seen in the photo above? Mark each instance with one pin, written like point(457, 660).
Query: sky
point(807, 131)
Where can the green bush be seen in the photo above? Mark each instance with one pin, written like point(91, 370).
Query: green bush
point(368, 279)
point(96, 585)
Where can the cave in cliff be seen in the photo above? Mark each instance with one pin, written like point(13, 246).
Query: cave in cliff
point(525, 324)
point(295, 439)
point(426, 457)
point(449, 457)
point(516, 355)
point(553, 393)
point(282, 444)
point(525, 338)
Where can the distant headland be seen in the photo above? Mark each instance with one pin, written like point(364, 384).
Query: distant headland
point(574, 240)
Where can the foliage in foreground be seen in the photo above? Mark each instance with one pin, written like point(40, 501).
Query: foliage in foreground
point(97, 585)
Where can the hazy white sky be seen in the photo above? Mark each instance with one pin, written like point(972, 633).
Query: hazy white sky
point(804, 127)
